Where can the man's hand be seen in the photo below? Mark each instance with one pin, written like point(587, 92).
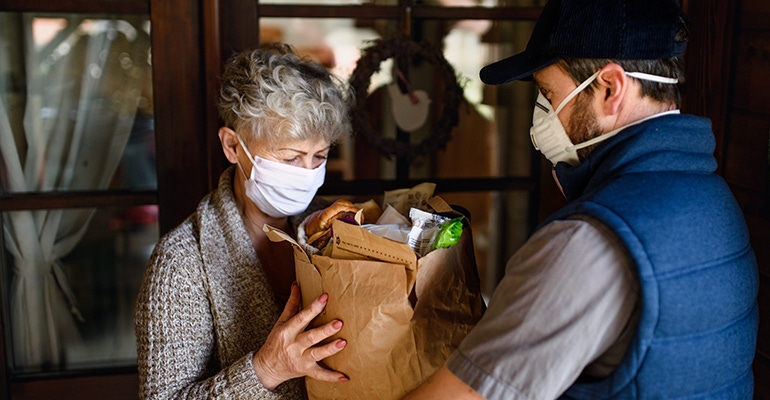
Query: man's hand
point(443, 385)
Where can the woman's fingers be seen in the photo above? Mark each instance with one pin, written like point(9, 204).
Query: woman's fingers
point(292, 351)
point(319, 353)
point(322, 374)
point(314, 336)
point(301, 319)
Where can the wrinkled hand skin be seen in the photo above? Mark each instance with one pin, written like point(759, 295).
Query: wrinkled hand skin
point(291, 352)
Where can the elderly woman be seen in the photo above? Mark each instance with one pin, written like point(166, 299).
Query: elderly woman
point(208, 319)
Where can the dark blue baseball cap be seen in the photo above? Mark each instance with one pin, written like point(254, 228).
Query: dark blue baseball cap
point(611, 29)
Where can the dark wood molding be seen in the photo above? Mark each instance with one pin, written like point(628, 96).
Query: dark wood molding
point(76, 199)
point(443, 185)
point(179, 90)
point(123, 386)
point(367, 11)
point(5, 390)
point(708, 64)
point(78, 6)
point(228, 27)
point(212, 50)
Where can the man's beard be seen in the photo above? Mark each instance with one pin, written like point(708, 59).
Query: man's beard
point(583, 124)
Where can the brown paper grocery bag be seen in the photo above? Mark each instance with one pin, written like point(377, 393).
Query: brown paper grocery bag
point(400, 324)
point(449, 302)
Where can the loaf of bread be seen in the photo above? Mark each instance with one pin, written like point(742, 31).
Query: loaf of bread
point(318, 225)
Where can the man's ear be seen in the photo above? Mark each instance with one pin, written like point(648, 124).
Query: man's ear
point(613, 84)
point(230, 143)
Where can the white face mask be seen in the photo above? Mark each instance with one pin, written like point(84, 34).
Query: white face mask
point(548, 134)
point(281, 190)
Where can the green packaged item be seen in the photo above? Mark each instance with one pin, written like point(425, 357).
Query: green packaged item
point(449, 234)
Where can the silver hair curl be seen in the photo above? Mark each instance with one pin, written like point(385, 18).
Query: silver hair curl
point(271, 95)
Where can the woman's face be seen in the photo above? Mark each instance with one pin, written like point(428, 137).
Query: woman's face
point(308, 154)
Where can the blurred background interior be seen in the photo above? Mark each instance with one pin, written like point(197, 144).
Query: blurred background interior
point(108, 140)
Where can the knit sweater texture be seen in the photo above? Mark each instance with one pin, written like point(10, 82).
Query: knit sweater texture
point(204, 309)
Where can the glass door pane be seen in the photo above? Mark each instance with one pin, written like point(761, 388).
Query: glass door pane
point(76, 114)
point(76, 313)
point(77, 93)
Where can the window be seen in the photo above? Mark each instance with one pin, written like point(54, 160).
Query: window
point(78, 185)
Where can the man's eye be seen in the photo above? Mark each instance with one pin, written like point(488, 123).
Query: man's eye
point(321, 156)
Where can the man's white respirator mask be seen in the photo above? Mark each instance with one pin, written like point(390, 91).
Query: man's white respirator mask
point(548, 134)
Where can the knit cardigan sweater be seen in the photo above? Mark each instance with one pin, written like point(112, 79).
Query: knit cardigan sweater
point(204, 308)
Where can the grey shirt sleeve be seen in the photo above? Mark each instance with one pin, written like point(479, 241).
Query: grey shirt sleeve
point(568, 304)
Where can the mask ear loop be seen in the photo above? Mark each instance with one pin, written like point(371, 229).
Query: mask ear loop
point(245, 150)
point(576, 91)
point(653, 78)
point(637, 75)
point(566, 100)
point(595, 140)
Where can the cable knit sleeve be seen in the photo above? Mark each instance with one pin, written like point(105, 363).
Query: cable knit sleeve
point(176, 332)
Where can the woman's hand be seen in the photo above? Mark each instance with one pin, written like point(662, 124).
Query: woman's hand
point(291, 352)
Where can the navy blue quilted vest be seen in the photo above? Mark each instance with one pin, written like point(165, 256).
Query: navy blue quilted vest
point(654, 185)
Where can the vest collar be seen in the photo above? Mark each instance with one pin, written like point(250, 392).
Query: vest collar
point(664, 143)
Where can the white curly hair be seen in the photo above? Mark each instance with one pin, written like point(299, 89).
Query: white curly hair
point(271, 95)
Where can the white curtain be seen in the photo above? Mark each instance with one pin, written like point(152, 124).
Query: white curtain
point(68, 105)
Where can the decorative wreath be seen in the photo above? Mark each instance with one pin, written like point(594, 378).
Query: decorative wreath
point(369, 63)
